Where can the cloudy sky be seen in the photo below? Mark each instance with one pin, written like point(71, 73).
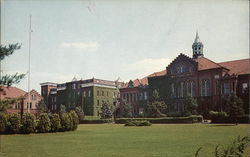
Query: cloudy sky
point(108, 39)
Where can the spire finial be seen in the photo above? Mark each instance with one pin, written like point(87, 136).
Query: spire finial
point(197, 39)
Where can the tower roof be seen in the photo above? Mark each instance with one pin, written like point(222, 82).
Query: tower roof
point(197, 38)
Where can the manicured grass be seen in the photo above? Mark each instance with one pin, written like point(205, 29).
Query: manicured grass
point(113, 140)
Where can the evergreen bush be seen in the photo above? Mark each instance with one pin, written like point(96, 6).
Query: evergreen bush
point(13, 123)
point(55, 123)
point(3, 122)
point(28, 123)
point(65, 122)
point(44, 124)
point(138, 123)
point(75, 119)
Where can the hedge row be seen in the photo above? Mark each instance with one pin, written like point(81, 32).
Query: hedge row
point(222, 117)
point(14, 123)
point(138, 123)
point(190, 119)
point(96, 121)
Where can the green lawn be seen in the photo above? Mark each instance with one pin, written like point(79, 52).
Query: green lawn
point(113, 140)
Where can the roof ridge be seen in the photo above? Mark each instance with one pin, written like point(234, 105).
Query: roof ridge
point(234, 60)
point(215, 62)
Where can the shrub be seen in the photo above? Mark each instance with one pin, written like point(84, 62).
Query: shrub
point(66, 122)
point(28, 123)
point(55, 123)
point(3, 122)
point(44, 124)
point(190, 119)
point(13, 123)
point(138, 123)
point(218, 117)
point(75, 120)
point(96, 121)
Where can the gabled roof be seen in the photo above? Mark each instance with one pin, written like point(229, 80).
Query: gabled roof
point(237, 66)
point(205, 64)
point(11, 92)
point(144, 81)
point(33, 91)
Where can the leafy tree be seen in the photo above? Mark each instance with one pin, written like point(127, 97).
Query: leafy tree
point(190, 105)
point(4, 52)
point(127, 110)
point(8, 80)
point(62, 109)
point(42, 108)
point(234, 107)
point(79, 112)
point(156, 107)
point(106, 111)
point(7, 103)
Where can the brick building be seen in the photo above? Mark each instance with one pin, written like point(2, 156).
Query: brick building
point(207, 81)
point(24, 102)
point(88, 94)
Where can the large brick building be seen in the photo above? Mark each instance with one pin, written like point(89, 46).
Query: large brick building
point(88, 94)
point(26, 100)
point(207, 81)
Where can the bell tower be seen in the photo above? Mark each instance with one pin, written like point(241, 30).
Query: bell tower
point(197, 47)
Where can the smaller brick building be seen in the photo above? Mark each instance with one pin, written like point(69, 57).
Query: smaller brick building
point(27, 100)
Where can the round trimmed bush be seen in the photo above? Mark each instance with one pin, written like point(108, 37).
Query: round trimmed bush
point(44, 124)
point(13, 123)
point(28, 123)
point(75, 120)
point(66, 122)
point(55, 123)
point(3, 122)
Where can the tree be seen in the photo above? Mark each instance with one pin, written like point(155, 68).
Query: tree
point(156, 107)
point(4, 52)
point(7, 103)
point(190, 105)
point(106, 111)
point(41, 108)
point(8, 80)
point(127, 110)
point(62, 109)
point(234, 107)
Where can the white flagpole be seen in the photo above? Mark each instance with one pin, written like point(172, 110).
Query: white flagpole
point(28, 106)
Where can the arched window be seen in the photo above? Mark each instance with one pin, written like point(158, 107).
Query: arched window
point(192, 91)
point(182, 89)
point(173, 90)
point(205, 88)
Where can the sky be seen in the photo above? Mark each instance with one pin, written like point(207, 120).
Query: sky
point(107, 39)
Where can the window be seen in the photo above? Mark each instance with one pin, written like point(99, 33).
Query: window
point(145, 96)
point(192, 92)
point(74, 86)
point(181, 69)
point(98, 93)
point(98, 102)
point(244, 87)
point(84, 93)
point(227, 88)
point(107, 93)
point(182, 90)
point(89, 93)
point(173, 90)
point(102, 93)
point(205, 87)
